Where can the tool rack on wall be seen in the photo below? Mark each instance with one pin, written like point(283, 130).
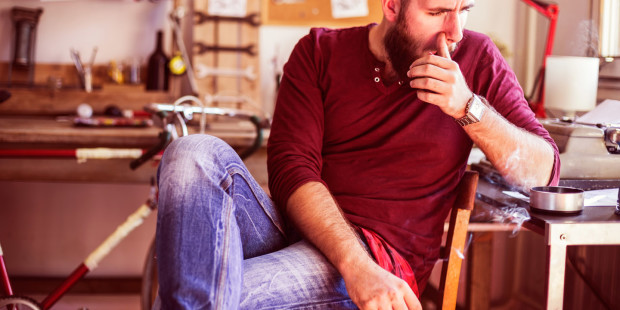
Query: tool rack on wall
point(225, 57)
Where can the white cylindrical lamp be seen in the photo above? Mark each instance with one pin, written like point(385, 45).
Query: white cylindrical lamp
point(571, 83)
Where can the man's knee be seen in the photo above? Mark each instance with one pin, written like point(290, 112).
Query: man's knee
point(195, 156)
point(199, 144)
point(198, 147)
point(189, 164)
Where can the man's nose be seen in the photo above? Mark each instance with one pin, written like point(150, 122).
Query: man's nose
point(453, 27)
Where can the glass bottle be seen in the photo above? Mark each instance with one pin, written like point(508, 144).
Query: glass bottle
point(157, 70)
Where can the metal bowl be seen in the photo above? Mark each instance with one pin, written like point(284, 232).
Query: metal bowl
point(556, 199)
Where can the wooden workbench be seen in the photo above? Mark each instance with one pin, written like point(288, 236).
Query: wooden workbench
point(44, 132)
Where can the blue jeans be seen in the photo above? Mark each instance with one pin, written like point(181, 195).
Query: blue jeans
point(221, 243)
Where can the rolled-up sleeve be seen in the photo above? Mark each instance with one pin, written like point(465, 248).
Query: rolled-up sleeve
point(498, 83)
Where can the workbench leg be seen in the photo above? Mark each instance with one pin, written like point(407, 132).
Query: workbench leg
point(479, 271)
point(556, 267)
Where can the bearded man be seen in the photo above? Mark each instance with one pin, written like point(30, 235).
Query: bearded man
point(371, 133)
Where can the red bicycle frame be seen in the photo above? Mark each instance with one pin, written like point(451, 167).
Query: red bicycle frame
point(92, 261)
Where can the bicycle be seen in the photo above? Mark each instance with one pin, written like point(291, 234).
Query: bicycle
point(173, 118)
point(150, 283)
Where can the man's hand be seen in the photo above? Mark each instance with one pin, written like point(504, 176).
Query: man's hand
point(372, 287)
point(315, 213)
point(439, 80)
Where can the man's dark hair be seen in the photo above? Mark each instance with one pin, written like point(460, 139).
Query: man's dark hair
point(404, 4)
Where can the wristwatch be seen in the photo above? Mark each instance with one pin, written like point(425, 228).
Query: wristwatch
point(473, 111)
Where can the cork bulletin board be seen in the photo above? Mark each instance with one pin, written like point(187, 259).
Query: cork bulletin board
point(315, 13)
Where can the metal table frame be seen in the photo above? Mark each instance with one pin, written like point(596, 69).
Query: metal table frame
point(594, 226)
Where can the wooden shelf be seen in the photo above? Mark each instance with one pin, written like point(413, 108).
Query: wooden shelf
point(38, 101)
point(42, 99)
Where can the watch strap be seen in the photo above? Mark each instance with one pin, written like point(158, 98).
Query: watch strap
point(468, 118)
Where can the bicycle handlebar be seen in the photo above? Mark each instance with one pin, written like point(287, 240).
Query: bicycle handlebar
point(164, 139)
point(165, 136)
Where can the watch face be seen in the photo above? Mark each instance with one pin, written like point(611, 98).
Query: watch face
point(476, 108)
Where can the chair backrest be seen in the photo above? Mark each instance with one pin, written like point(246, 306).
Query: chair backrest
point(455, 242)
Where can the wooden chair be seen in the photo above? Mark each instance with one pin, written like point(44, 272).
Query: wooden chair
point(452, 252)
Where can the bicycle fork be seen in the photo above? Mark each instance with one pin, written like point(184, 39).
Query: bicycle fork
point(92, 261)
point(5, 276)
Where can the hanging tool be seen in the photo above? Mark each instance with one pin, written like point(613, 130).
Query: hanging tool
point(88, 72)
point(176, 16)
point(25, 21)
point(201, 48)
point(251, 19)
point(75, 55)
point(84, 72)
point(203, 71)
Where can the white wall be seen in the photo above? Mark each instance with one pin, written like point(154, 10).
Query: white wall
point(120, 29)
point(276, 44)
point(496, 19)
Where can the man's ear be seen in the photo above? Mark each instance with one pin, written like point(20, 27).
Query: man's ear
point(391, 8)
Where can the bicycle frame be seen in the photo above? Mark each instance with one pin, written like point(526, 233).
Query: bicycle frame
point(140, 156)
point(5, 276)
point(94, 258)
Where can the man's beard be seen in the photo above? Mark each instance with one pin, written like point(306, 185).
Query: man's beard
point(400, 47)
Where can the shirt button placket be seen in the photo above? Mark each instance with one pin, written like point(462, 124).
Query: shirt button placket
point(377, 79)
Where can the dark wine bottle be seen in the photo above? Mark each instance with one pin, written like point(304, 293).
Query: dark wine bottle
point(157, 70)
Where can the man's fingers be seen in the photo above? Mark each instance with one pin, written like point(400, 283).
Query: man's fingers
point(399, 305)
point(429, 84)
point(435, 60)
point(412, 300)
point(430, 71)
point(429, 97)
point(426, 70)
point(442, 46)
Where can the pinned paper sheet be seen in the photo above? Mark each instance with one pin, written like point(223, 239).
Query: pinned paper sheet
point(349, 8)
point(608, 112)
point(232, 8)
point(601, 197)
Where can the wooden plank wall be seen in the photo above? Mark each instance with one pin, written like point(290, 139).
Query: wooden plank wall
point(228, 34)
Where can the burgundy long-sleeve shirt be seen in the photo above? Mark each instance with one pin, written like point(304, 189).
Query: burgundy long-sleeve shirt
point(390, 160)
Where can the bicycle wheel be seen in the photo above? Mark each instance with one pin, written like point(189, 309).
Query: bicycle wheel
point(150, 283)
point(18, 303)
